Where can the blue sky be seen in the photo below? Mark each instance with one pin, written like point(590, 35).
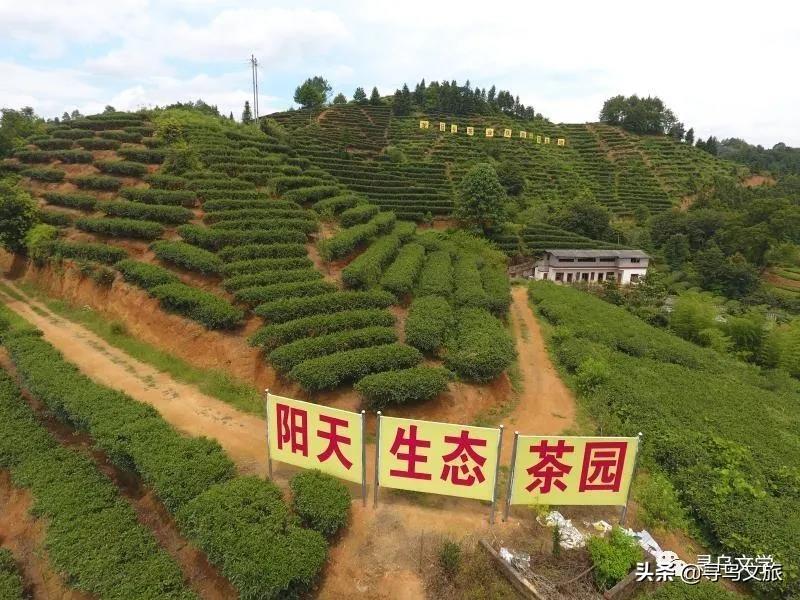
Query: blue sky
point(725, 68)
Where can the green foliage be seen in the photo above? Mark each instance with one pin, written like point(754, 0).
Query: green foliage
point(481, 200)
point(358, 214)
point(436, 277)
point(347, 240)
point(37, 236)
point(45, 174)
point(613, 557)
point(162, 181)
point(92, 534)
point(261, 278)
point(100, 183)
point(17, 215)
point(336, 204)
point(331, 371)
point(450, 558)
point(16, 125)
point(365, 271)
point(181, 157)
point(82, 251)
point(277, 334)
point(145, 275)
point(639, 115)
point(429, 320)
point(586, 218)
point(123, 168)
point(114, 227)
point(406, 386)
point(496, 287)
point(158, 196)
point(258, 265)
point(286, 357)
point(244, 526)
point(400, 276)
point(188, 257)
point(676, 250)
point(147, 156)
point(201, 306)
point(239, 244)
point(479, 348)
point(511, 177)
point(71, 200)
point(705, 590)
point(659, 506)
point(313, 92)
point(322, 502)
point(467, 280)
point(280, 309)
point(96, 143)
point(307, 291)
point(171, 215)
point(692, 314)
point(360, 96)
point(313, 193)
point(592, 373)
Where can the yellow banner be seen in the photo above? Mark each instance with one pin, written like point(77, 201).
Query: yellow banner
point(423, 124)
point(523, 135)
point(470, 130)
point(442, 126)
point(454, 128)
point(561, 471)
point(506, 133)
point(438, 458)
point(561, 142)
point(546, 140)
point(538, 139)
point(489, 132)
point(315, 437)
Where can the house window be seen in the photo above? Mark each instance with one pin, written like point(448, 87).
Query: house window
point(559, 277)
point(636, 260)
point(569, 277)
point(591, 276)
point(566, 260)
point(634, 278)
point(585, 276)
point(544, 276)
point(610, 276)
point(599, 277)
point(607, 259)
point(587, 259)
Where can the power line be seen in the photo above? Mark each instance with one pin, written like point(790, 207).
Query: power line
point(254, 69)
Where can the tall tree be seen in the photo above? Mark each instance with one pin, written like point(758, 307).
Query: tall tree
point(16, 125)
point(340, 99)
point(360, 96)
point(247, 114)
point(689, 137)
point(17, 215)
point(375, 97)
point(481, 202)
point(313, 92)
point(639, 115)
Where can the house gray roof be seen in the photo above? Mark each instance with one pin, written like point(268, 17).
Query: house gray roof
point(570, 253)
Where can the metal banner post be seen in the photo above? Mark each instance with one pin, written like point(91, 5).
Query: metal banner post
point(363, 458)
point(511, 476)
point(266, 420)
point(377, 460)
point(633, 477)
point(496, 476)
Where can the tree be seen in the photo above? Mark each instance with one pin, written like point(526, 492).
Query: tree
point(481, 201)
point(419, 93)
point(677, 131)
point(17, 215)
point(689, 137)
point(109, 109)
point(511, 178)
point(16, 125)
point(340, 99)
point(639, 115)
point(360, 96)
point(677, 250)
point(375, 97)
point(691, 315)
point(711, 145)
point(65, 117)
point(313, 92)
point(76, 114)
point(230, 116)
point(247, 114)
point(402, 103)
point(587, 218)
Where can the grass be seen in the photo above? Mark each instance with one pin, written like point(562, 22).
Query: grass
point(212, 382)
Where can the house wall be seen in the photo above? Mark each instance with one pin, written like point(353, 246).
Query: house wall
point(620, 270)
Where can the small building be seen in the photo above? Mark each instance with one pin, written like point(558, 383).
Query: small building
point(592, 266)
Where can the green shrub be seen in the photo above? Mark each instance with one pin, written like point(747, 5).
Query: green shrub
point(171, 215)
point(285, 358)
point(450, 558)
point(613, 557)
point(429, 320)
point(215, 239)
point(400, 276)
point(263, 212)
point(276, 334)
point(244, 526)
point(145, 275)
point(592, 373)
point(140, 155)
point(331, 371)
point(436, 276)
point(398, 388)
point(101, 183)
point(347, 240)
point(45, 174)
point(291, 182)
point(285, 309)
point(496, 287)
point(56, 218)
point(358, 214)
point(322, 502)
point(316, 193)
point(292, 208)
point(258, 265)
point(658, 502)
point(201, 306)
point(366, 269)
point(480, 348)
point(75, 134)
point(304, 226)
point(121, 136)
point(54, 144)
point(71, 200)
point(144, 230)
point(162, 181)
point(263, 250)
point(123, 168)
point(188, 257)
point(238, 282)
point(283, 292)
point(336, 204)
point(96, 143)
point(11, 585)
point(83, 251)
point(468, 286)
point(185, 198)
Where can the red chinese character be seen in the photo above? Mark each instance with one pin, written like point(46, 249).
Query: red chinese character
point(459, 474)
point(292, 428)
point(603, 463)
point(334, 439)
point(411, 457)
point(549, 470)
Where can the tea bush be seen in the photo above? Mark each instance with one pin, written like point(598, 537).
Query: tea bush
point(316, 193)
point(178, 197)
point(124, 168)
point(216, 239)
point(265, 277)
point(358, 214)
point(100, 183)
point(258, 265)
point(322, 502)
point(400, 276)
point(201, 306)
point(436, 276)
point(285, 358)
point(429, 319)
point(188, 257)
point(144, 230)
point(145, 275)
point(71, 200)
point(83, 251)
point(406, 386)
point(284, 292)
point(347, 240)
point(264, 251)
point(366, 269)
point(45, 174)
point(171, 215)
point(480, 348)
point(11, 585)
point(286, 309)
point(613, 557)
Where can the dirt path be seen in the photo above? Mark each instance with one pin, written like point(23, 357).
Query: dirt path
point(378, 555)
point(546, 406)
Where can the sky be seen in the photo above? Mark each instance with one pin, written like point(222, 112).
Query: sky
point(727, 69)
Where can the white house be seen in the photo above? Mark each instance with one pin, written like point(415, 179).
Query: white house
point(592, 266)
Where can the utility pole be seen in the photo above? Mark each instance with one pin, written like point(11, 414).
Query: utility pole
point(254, 68)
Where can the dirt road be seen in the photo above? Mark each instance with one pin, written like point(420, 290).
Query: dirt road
point(377, 557)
